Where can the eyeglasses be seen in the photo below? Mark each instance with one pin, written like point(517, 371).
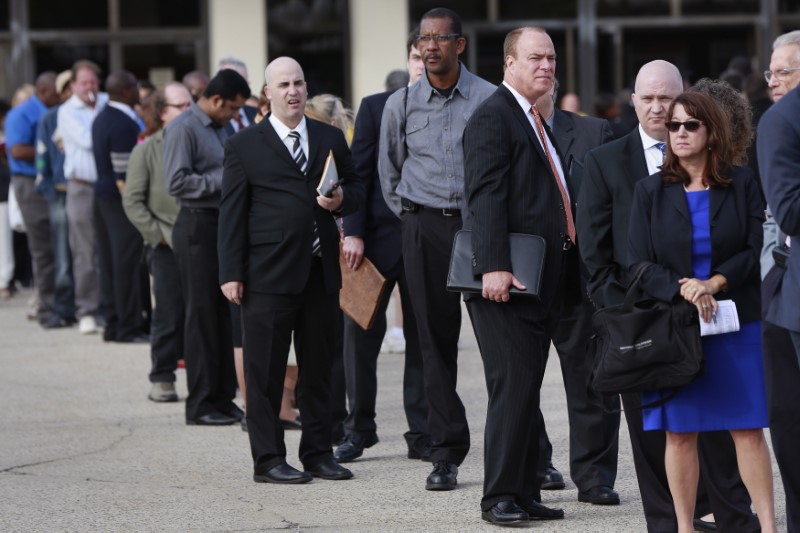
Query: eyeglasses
point(184, 105)
point(690, 125)
point(438, 38)
point(780, 74)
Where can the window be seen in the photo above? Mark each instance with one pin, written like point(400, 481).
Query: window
point(159, 13)
point(139, 59)
point(86, 14)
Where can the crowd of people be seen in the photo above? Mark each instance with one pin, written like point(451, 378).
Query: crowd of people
point(187, 217)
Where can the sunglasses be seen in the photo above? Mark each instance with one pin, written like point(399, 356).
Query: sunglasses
point(690, 125)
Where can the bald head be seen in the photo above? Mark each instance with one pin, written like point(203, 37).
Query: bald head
point(286, 90)
point(196, 82)
point(45, 87)
point(657, 84)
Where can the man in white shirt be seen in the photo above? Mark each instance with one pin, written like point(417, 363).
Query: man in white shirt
point(75, 119)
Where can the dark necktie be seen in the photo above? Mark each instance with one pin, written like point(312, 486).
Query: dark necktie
point(564, 196)
point(300, 158)
point(663, 148)
point(239, 124)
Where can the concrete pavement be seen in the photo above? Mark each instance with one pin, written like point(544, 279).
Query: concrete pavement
point(82, 449)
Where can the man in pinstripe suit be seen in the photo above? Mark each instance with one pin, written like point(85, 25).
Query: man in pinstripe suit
point(515, 183)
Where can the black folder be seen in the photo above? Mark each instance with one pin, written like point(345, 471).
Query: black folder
point(527, 263)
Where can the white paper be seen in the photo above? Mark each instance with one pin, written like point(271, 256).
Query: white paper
point(726, 320)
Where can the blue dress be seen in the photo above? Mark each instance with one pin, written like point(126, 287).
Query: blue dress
point(731, 394)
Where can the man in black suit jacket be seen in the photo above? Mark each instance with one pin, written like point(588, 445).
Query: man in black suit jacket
point(515, 183)
point(279, 259)
point(593, 432)
point(606, 197)
point(375, 232)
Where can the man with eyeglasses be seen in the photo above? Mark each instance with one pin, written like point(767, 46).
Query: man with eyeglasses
point(604, 204)
point(421, 170)
point(779, 165)
point(153, 211)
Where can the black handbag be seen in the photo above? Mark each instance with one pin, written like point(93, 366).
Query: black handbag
point(645, 344)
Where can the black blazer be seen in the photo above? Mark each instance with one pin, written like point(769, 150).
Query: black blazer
point(375, 222)
point(268, 208)
point(510, 189)
point(609, 175)
point(661, 233)
point(576, 135)
point(250, 112)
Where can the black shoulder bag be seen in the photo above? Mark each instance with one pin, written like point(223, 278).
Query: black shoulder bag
point(645, 344)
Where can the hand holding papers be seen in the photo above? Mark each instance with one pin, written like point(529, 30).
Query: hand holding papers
point(330, 177)
point(726, 320)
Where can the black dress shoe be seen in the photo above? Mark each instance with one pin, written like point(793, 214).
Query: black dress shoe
point(291, 424)
point(553, 480)
point(283, 474)
point(420, 449)
point(505, 513)
point(703, 525)
point(353, 447)
point(599, 495)
point(443, 477)
point(211, 419)
point(537, 511)
point(330, 469)
point(234, 411)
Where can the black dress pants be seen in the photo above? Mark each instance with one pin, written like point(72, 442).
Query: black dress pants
point(208, 344)
point(120, 248)
point(166, 328)
point(720, 489)
point(782, 374)
point(593, 431)
point(269, 322)
point(427, 241)
point(361, 350)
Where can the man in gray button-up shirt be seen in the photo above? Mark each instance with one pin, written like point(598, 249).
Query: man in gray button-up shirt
point(193, 154)
point(421, 169)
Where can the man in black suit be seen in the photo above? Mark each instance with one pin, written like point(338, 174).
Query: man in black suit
point(515, 183)
point(593, 432)
point(374, 232)
point(279, 260)
point(609, 176)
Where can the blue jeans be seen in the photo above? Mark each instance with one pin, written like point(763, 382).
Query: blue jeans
point(64, 304)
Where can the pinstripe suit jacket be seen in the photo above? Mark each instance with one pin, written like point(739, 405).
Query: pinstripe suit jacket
point(510, 189)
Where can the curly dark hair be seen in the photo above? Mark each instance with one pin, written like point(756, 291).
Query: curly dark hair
point(739, 111)
point(720, 149)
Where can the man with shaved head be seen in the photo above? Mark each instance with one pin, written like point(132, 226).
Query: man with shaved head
point(610, 174)
point(279, 261)
point(20, 129)
point(115, 132)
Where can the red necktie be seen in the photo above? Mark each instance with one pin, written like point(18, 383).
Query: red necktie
point(238, 118)
point(564, 197)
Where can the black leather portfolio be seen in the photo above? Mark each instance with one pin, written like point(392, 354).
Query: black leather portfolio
point(527, 263)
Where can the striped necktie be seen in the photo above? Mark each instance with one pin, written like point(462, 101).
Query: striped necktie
point(302, 163)
point(663, 148)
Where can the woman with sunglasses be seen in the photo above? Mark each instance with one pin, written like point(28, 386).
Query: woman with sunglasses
point(698, 221)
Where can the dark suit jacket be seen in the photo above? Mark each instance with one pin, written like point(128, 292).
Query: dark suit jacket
point(661, 232)
point(609, 175)
point(268, 208)
point(510, 189)
point(779, 165)
point(375, 222)
point(576, 135)
point(250, 112)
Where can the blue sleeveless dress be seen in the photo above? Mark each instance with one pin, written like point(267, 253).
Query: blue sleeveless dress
point(731, 394)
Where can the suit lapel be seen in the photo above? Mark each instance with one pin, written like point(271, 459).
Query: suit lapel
point(635, 164)
point(271, 139)
point(314, 147)
point(717, 197)
point(564, 132)
point(516, 110)
point(677, 197)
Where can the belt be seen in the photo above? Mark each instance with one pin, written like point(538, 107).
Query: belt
point(202, 210)
point(82, 182)
point(411, 207)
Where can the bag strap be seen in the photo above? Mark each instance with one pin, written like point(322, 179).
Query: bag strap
point(633, 287)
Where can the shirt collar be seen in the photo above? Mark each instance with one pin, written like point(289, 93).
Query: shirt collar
point(521, 100)
point(283, 130)
point(201, 115)
point(77, 103)
point(647, 141)
point(125, 108)
point(462, 85)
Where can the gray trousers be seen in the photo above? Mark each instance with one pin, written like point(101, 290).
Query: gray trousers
point(35, 211)
point(83, 243)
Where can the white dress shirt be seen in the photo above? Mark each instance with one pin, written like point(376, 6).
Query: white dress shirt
point(283, 133)
point(75, 126)
point(652, 153)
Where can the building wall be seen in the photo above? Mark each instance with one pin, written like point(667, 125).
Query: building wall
point(239, 29)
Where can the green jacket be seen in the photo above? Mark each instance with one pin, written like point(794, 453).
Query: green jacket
point(147, 203)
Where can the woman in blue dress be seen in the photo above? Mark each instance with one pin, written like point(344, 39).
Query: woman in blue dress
point(698, 221)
